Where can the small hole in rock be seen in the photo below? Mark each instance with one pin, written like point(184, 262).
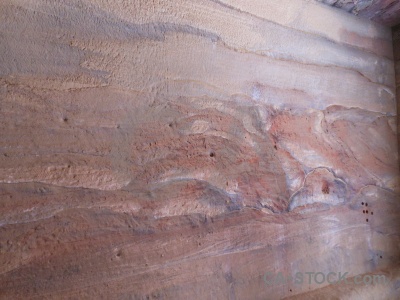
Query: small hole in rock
point(325, 188)
point(366, 204)
point(372, 212)
point(380, 256)
point(362, 203)
point(65, 119)
point(367, 220)
point(363, 211)
point(276, 148)
point(212, 154)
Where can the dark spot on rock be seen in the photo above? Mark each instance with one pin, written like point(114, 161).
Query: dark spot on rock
point(65, 119)
point(362, 203)
point(366, 204)
point(276, 148)
point(325, 188)
point(363, 211)
point(366, 211)
point(372, 212)
point(212, 154)
point(366, 220)
point(380, 256)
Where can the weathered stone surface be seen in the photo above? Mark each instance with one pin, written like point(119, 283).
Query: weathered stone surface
point(183, 149)
point(386, 12)
point(396, 51)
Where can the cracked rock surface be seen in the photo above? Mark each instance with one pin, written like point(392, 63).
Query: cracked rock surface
point(183, 149)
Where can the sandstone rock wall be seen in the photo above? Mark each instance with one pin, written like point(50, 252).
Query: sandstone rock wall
point(385, 12)
point(182, 149)
point(396, 52)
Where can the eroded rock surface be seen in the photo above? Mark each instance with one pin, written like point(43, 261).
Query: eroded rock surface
point(183, 149)
point(386, 12)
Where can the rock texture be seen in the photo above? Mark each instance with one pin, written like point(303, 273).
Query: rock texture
point(386, 12)
point(183, 149)
point(396, 51)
